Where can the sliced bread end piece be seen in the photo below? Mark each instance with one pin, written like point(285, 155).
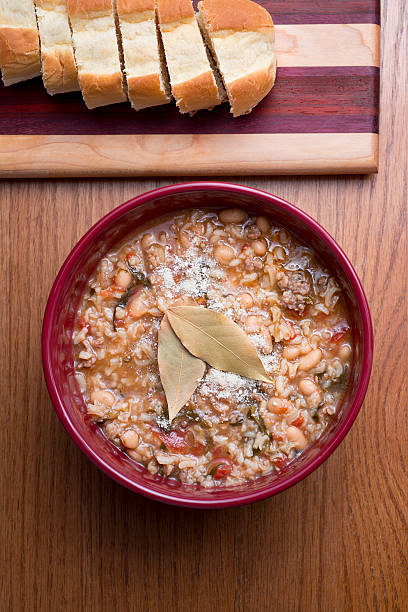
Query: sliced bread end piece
point(241, 37)
point(193, 83)
point(144, 64)
point(59, 70)
point(19, 42)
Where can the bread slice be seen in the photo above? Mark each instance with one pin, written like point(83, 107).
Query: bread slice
point(144, 68)
point(19, 42)
point(240, 34)
point(96, 51)
point(193, 83)
point(57, 54)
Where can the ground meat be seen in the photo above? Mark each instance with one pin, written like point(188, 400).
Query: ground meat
point(296, 290)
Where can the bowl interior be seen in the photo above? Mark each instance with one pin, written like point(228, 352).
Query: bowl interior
point(60, 318)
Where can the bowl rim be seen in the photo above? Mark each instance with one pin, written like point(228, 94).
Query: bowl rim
point(234, 499)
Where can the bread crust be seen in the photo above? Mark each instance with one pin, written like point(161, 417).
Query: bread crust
point(235, 19)
point(101, 89)
point(50, 3)
point(146, 91)
point(238, 15)
point(19, 54)
point(170, 11)
point(77, 8)
point(59, 70)
point(245, 93)
point(196, 94)
point(127, 7)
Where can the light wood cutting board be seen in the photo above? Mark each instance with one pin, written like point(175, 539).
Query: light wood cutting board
point(321, 117)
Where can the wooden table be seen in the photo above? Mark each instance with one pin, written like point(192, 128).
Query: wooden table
point(74, 540)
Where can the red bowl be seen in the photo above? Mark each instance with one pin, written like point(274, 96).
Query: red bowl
point(64, 299)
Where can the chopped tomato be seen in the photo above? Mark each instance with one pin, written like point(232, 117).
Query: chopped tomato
point(174, 441)
point(130, 254)
point(220, 468)
point(339, 331)
point(83, 324)
point(218, 452)
point(106, 292)
point(202, 301)
point(299, 421)
point(198, 449)
point(182, 442)
point(277, 436)
point(279, 462)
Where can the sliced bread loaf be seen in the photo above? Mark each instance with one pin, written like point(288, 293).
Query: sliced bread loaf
point(240, 34)
point(19, 42)
point(57, 54)
point(194, 85)
point(96, 51)
point(144, 64)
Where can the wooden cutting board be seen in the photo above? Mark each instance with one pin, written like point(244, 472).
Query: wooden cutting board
point(321, 117)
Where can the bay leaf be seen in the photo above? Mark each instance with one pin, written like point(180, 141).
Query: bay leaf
point(180, 371)
point(214, 338)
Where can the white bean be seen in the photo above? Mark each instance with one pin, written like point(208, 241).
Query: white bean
point(263, 224)
point(233, 215)
point(307, 386)
point(259, 247)
point(102, 397)
point(224, 253)
point(130, 439)
point(295, 435)
point(309, 361)
point(277, 405)
point(291, 352)
point(246, 300)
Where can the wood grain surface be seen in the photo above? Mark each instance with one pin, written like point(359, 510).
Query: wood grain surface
point(72, 540)
point(328, 55)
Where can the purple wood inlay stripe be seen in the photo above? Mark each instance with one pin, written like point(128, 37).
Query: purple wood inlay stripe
point(322, 11)
point(340, 99)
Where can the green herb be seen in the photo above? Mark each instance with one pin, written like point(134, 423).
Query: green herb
point(191, 414)
point(138, 279)
point(308, 299)
point(214, 469)
point(253, 414)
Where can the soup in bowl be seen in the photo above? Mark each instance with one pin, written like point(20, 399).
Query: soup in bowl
point(207, 344)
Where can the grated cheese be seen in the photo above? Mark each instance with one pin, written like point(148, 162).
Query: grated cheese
point(225, 385)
